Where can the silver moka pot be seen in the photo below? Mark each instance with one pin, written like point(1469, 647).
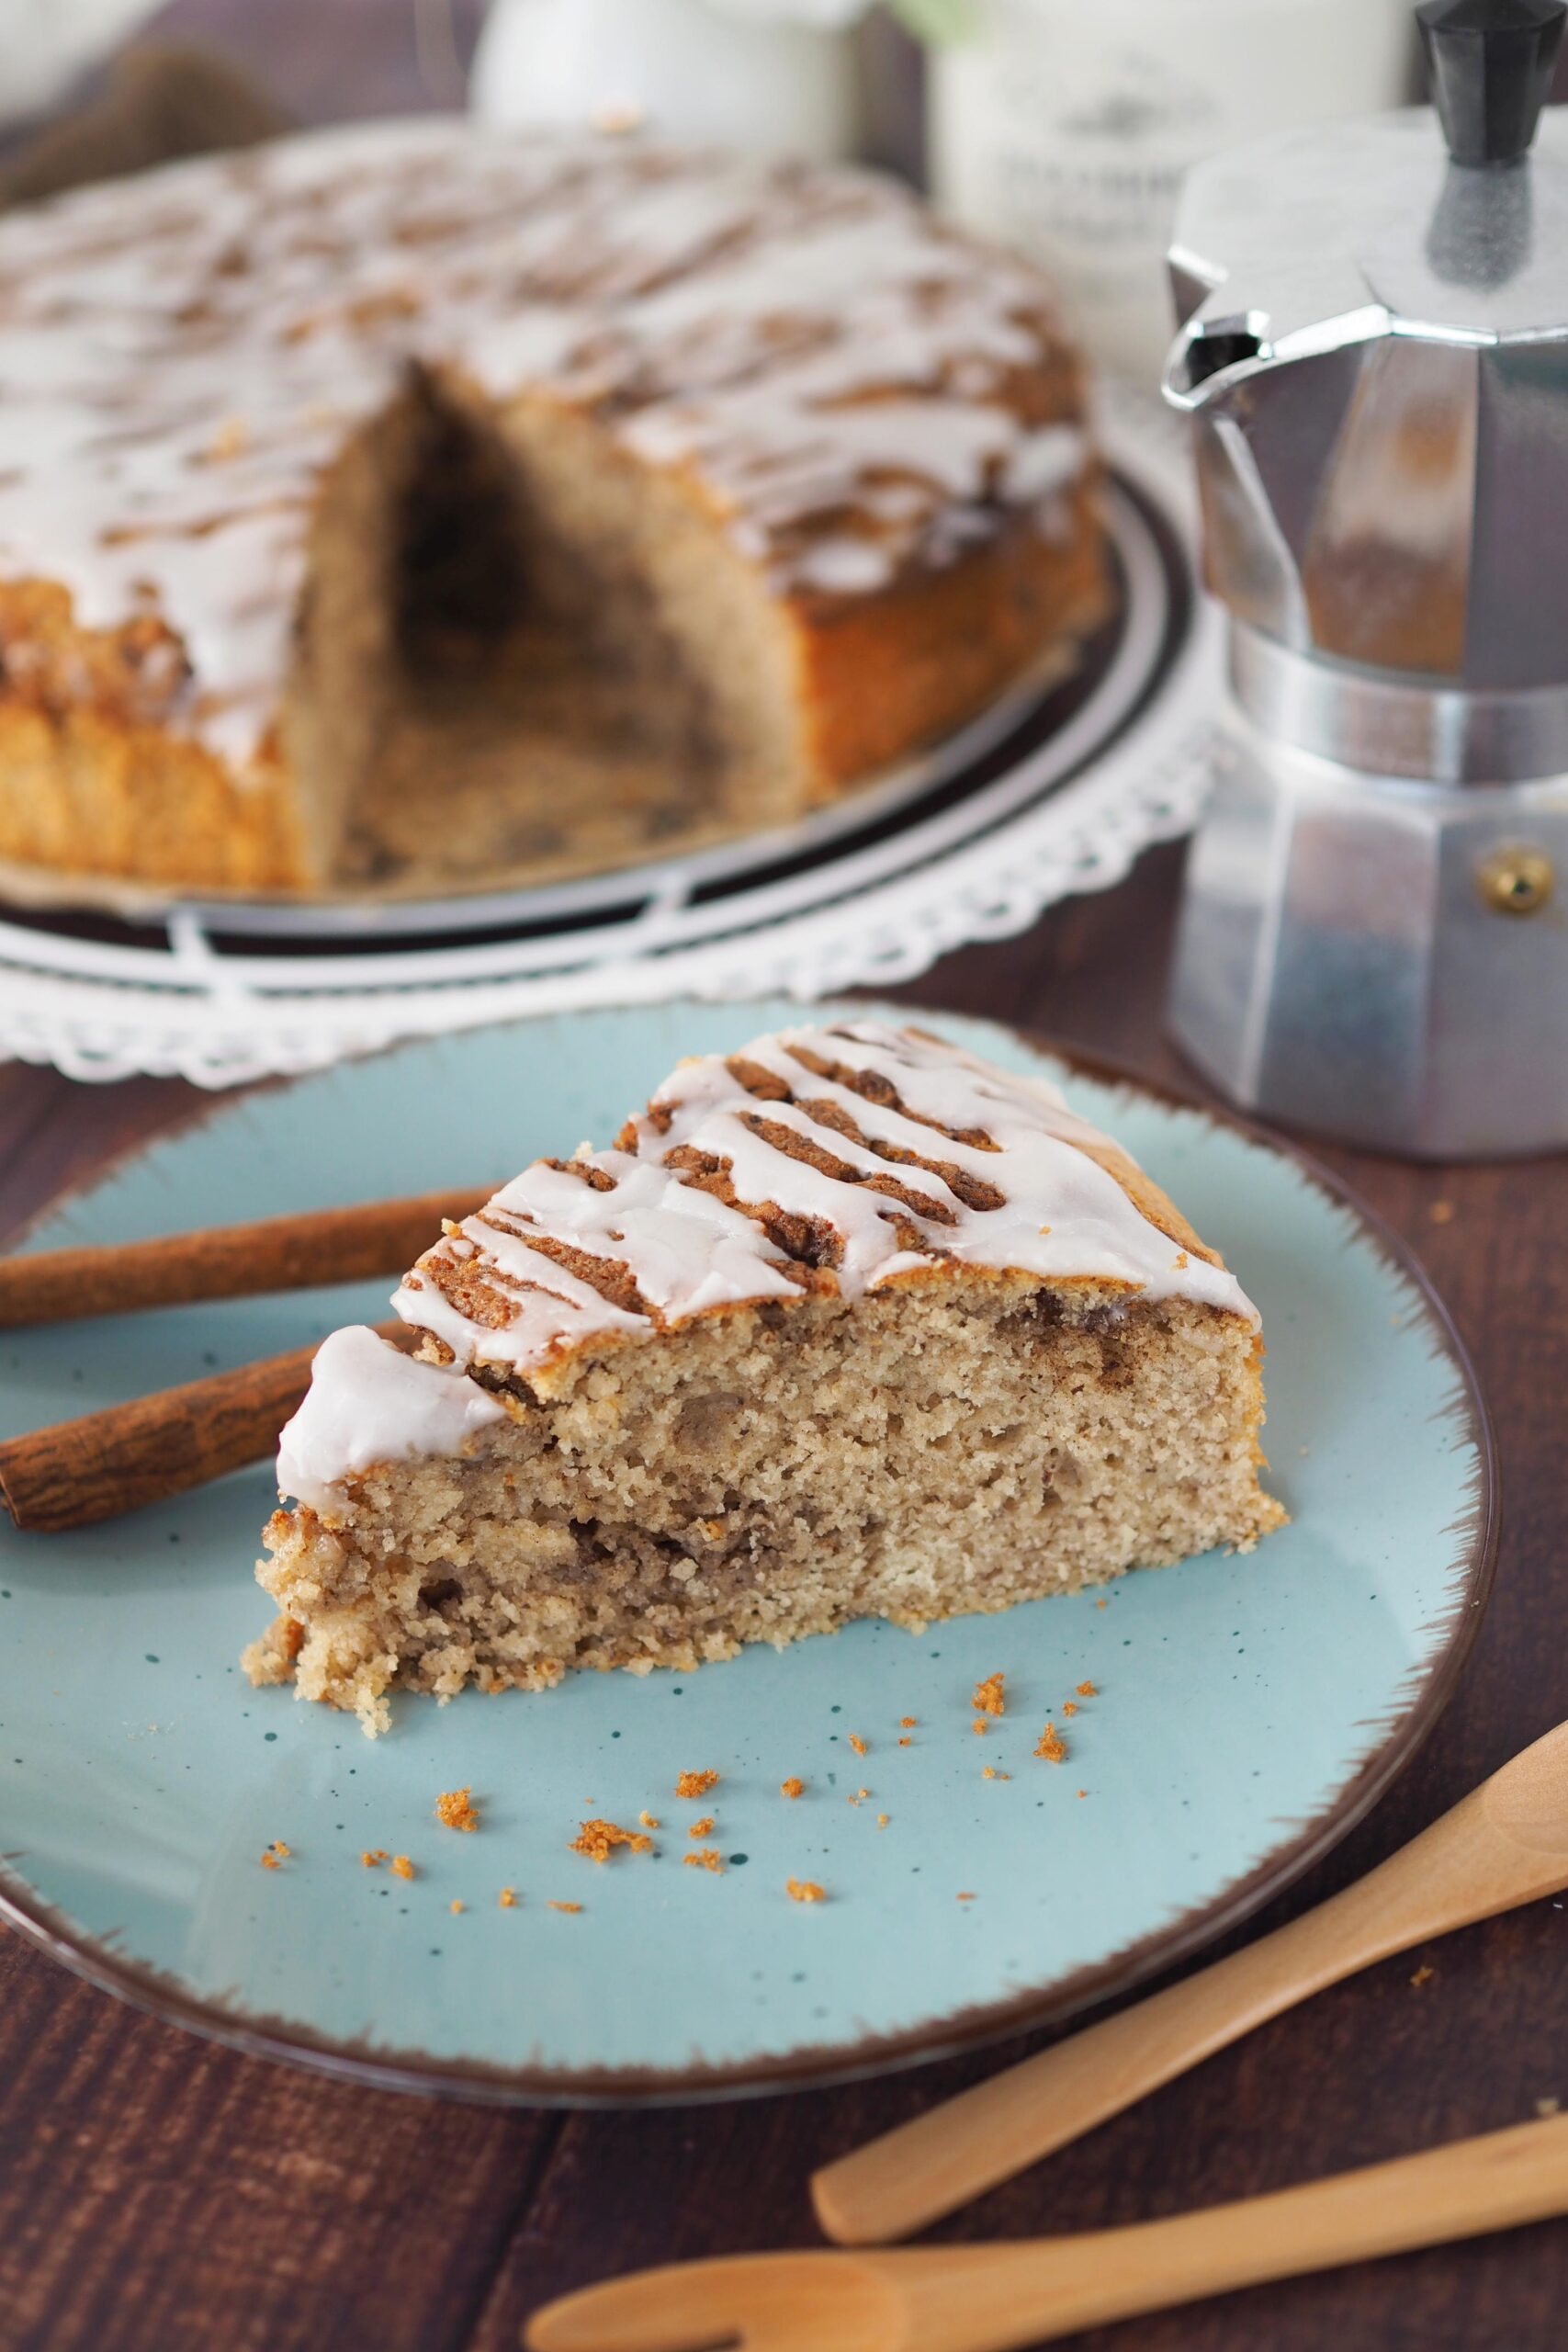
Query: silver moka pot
point(1374, 356)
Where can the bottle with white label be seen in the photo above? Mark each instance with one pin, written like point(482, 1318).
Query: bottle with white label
point(1065, 127)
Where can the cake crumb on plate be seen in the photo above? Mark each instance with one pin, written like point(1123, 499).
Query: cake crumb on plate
point(597, 1840)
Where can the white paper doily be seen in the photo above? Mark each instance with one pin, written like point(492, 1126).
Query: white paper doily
point(869, 894)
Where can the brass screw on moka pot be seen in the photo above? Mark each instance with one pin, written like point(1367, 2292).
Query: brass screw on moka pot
point(1515, 881)
point(1373, 354)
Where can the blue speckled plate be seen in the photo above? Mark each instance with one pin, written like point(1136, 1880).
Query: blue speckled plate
point(1248, 1709)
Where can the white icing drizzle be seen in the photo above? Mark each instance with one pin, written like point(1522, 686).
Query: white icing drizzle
point(1044, 462)
point(368, 1403)
point(182, 358)
point(1059, 1215)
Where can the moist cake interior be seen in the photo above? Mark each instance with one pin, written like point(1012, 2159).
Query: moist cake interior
point(776, 1473)
point(493, 669)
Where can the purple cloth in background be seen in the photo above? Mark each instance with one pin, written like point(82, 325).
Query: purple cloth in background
point(333, 61)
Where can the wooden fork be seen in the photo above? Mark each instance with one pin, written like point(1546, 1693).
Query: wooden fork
point(983, 2299)
point(1504, 1844)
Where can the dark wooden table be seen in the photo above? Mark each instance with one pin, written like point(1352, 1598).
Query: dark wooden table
point(158, 2194)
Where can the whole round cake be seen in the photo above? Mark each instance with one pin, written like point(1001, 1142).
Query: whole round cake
point(411, 505)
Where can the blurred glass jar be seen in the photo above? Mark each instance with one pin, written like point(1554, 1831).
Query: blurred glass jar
point(769, 77)
point(1065, 127)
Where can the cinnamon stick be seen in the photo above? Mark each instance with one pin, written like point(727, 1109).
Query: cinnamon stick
point(227, 1261)
point(106, 1464)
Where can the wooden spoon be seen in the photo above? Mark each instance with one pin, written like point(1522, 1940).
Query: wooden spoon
point(986, 2297)
point(1504, 1845)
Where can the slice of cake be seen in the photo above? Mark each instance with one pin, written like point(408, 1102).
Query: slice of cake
point(849, 1323)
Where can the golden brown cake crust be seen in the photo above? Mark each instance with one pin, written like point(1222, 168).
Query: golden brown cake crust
point(94, 779)
point(881, 680)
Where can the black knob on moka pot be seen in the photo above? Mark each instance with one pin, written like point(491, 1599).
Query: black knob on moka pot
point(1492, 62)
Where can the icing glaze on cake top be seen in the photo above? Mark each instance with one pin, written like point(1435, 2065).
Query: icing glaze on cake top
point(182, 357)
point(368, 1402)
point(835, 1160)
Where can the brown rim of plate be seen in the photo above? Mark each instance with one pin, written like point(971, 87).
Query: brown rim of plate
point(816, 2067)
